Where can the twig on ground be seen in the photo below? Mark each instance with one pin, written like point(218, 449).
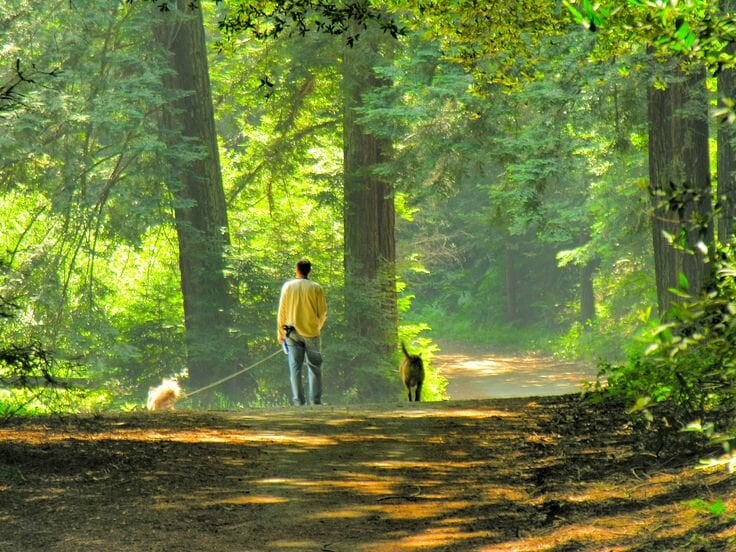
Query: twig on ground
point(412, 496)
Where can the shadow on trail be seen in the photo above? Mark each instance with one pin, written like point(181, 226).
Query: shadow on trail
point(518, 474)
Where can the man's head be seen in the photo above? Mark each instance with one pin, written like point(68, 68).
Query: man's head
point(303, 267)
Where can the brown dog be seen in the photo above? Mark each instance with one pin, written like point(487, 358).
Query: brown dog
point(412, 373)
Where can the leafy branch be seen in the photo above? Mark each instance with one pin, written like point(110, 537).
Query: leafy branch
point(695, 29)
point(271, 20)
point(10, 94)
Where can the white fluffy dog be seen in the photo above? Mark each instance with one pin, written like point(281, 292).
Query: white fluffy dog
point(164, 396)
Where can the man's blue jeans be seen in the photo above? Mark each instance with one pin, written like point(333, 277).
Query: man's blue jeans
point(299, 349)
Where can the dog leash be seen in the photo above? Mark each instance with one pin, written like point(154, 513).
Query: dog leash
point(231, 376)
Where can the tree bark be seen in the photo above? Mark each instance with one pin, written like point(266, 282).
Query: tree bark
point(511, 280)
point(587, 293)
point(587, 289)
point(369, 217)
point(200, 209)
point(679, 182)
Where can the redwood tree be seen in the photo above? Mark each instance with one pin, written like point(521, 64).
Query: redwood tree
point(199, 199)
point(370, 249)
point(679, 182)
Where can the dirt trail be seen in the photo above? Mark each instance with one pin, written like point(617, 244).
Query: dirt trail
point(496, 475)
point(479, 374)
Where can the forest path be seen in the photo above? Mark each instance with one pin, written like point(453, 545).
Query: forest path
point(555, 474)
point(473, 373)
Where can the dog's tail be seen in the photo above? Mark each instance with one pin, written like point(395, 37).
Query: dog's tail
point(406, 353)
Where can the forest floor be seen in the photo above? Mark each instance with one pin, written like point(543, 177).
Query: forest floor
point(553, 473)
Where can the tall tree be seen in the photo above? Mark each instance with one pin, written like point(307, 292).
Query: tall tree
point(370, 248)
point(679, 181)
point(200, 210)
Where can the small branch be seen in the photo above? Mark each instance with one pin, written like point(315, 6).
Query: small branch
point(412, 496)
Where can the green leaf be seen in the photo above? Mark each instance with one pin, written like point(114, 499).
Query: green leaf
point(716, 508)
point(678, 293)
point(575, 13)
point(641, 404)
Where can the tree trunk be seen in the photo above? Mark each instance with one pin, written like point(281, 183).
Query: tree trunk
point(726, 157)
point(679, 180)
point(200, 210)
point(587, 289)
point(511, 280)
point(587, 292)
point(369, 218)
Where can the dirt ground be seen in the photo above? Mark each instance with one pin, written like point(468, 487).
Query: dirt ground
point(518, 474)
point(480, 375)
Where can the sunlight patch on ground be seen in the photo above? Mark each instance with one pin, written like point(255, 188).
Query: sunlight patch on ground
point(664, 522)
point(476, 413)
point(579, 537)
point(434, 538)
point(485, 367)
point(343, 513)
point(598, 492)
point(425, 509)
point(360, 438)
point(338, 422)
point(376, 487)
point(359, 484)
point(433, 466)
point(497, 493)
point(299, 545)
point(490, 376)
point(50, 494)
point(37, 436)
point(247, 499)
point(396, 511)
point(592, 493)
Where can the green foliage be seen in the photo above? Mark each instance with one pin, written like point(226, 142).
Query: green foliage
point(716, 508)
point(32, 382)
point(502, 198)
point(494, 41)
point(695, 29)
point(688, 372)
point(271, 20)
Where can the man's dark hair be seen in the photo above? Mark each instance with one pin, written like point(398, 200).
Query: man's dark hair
point(304, 266)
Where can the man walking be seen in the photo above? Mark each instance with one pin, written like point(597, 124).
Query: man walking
point(302, 313)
